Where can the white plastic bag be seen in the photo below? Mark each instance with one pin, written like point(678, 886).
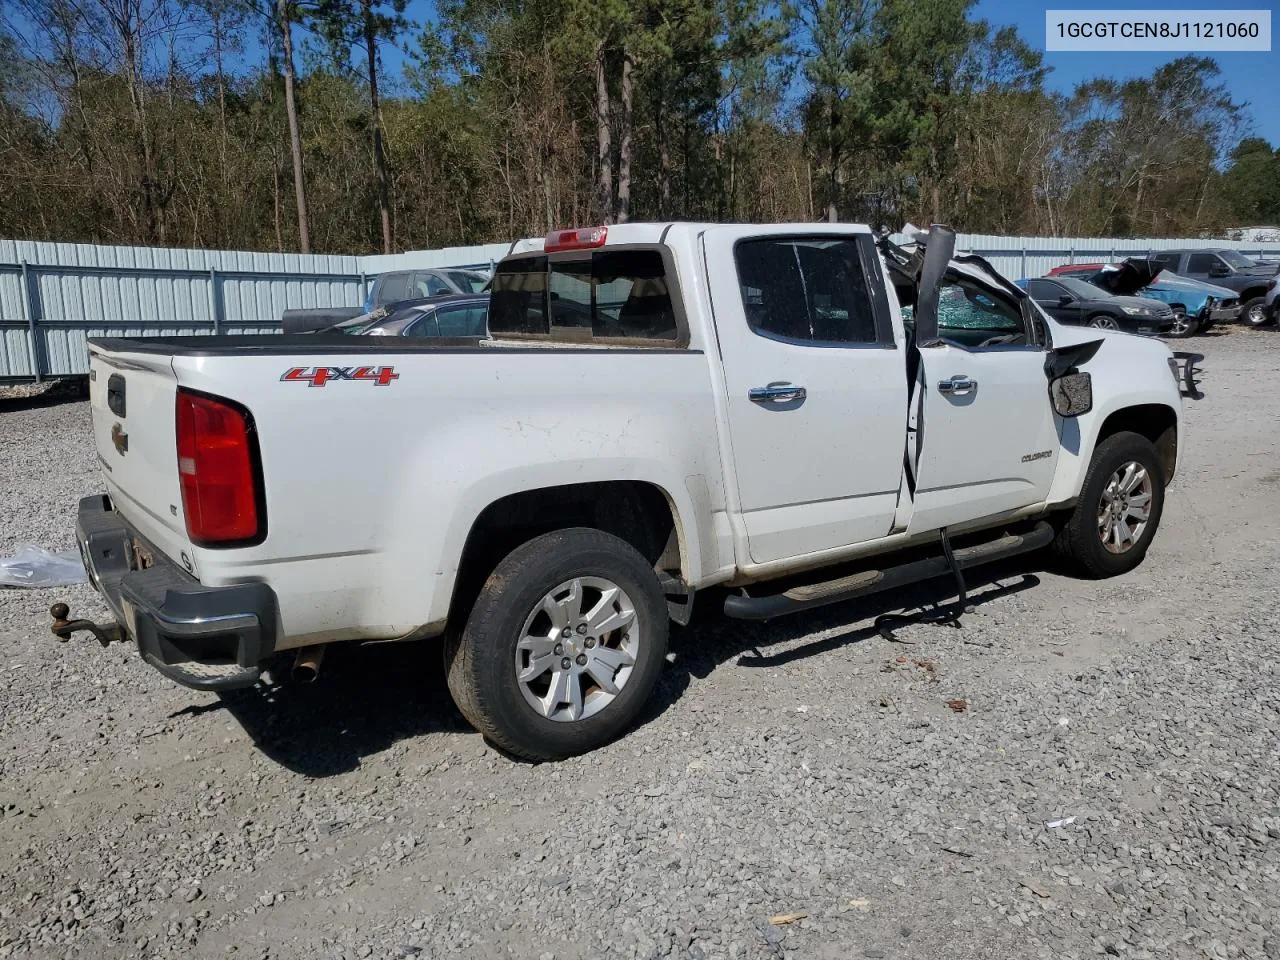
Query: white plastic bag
point(35, 566)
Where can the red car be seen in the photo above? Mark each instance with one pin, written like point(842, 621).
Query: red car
point(1072, 268)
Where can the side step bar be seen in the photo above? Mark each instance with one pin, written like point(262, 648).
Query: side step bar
point(809, 596)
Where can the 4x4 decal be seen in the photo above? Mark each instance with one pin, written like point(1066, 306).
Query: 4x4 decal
point(319, 376)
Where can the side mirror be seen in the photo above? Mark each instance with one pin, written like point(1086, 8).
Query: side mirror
point(1065, 299)
point(1218, 270)
point(1072, 394)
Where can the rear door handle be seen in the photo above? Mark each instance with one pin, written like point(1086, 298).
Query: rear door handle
point(777, 392)
point(959, 385)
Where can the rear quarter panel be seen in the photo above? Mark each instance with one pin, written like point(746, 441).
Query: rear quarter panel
point(372, 490)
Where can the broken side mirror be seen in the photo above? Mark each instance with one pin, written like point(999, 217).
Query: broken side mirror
point(1072, 394)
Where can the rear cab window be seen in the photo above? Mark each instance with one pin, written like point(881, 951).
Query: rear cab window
point(623, 295)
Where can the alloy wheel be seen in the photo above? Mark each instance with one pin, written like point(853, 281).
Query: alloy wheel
point(578, 648)
point(1125, 507)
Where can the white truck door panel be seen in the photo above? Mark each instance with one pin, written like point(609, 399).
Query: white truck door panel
point(815, 385)
point(988, 440)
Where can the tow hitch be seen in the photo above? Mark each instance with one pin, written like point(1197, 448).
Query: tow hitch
point(62, 628)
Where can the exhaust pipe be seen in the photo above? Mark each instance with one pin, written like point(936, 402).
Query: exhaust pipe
point(307, 665)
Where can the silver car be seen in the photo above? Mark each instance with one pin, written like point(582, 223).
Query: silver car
point(463, 315)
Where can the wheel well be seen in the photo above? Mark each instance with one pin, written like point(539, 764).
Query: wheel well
point(1154, 421)
point(639, 513)
point(1249, 294)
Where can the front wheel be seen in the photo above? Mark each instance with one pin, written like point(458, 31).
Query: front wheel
point(1254, 313)
point(1119, 509)
point(1103, 322)
point(1183, 325)
point(563, 646)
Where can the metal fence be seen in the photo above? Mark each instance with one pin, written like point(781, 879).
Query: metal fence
point(54, 296)
point(1018, 257)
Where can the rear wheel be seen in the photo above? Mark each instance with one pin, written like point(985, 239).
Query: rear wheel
point(1119, 508)
point(563, 646)
point(1254, 313)
point(1103, 322)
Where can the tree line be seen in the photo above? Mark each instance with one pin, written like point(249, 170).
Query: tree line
point(276, 124)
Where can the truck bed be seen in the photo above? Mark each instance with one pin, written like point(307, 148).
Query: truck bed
point(310, 344)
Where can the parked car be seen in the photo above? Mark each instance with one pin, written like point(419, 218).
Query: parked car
point(389, 288)
point(1197, 306)
point(1075, 269)
point(1272, 302)
point(1072, 300)
point(400, 285)
point(548, 501)
point(1226, 268)
point(456, 315)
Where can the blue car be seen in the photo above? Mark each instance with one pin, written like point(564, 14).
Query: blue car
point(1197, 305)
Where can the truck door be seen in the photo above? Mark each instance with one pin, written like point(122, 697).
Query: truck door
point(987, 440)
point(815, 385)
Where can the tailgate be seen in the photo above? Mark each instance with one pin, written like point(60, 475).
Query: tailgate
point(133, 400)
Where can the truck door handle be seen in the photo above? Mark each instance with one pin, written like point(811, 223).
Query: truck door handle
point(959, 385)
point(777, 392)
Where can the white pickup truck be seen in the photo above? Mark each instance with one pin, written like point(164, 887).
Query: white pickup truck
point(797, 412)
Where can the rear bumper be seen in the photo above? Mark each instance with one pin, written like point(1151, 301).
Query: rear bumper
point(207, 638)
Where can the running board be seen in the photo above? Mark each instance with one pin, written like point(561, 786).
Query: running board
point(809, 596)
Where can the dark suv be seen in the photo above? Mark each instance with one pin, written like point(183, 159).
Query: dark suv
point(1227, 268)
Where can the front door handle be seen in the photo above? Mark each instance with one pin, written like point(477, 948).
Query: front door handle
point(957, 386)
point(777, 392)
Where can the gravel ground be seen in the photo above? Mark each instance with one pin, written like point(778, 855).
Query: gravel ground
point(1112, 787)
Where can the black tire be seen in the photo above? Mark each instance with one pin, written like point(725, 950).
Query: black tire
point(1079, 544)
point(480, 659)
point(1103, 321)
point(1254, 313)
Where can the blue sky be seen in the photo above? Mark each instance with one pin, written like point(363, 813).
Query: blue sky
point(1251, 77)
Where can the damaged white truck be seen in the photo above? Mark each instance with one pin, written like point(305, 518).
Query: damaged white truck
point(658, 408)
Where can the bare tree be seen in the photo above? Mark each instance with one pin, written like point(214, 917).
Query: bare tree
point(286, 13)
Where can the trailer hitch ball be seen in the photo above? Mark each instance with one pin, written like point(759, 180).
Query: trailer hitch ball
point(62, 627)
point(60, 612)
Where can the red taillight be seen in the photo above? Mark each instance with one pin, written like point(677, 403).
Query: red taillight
point(216, 464)
point(581, 238)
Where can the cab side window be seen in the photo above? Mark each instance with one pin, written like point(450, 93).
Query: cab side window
point(393, 287)
point(1201, 262)
point(971, 317)
point(806, 290)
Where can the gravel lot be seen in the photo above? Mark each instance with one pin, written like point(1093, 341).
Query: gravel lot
point(805, 766)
